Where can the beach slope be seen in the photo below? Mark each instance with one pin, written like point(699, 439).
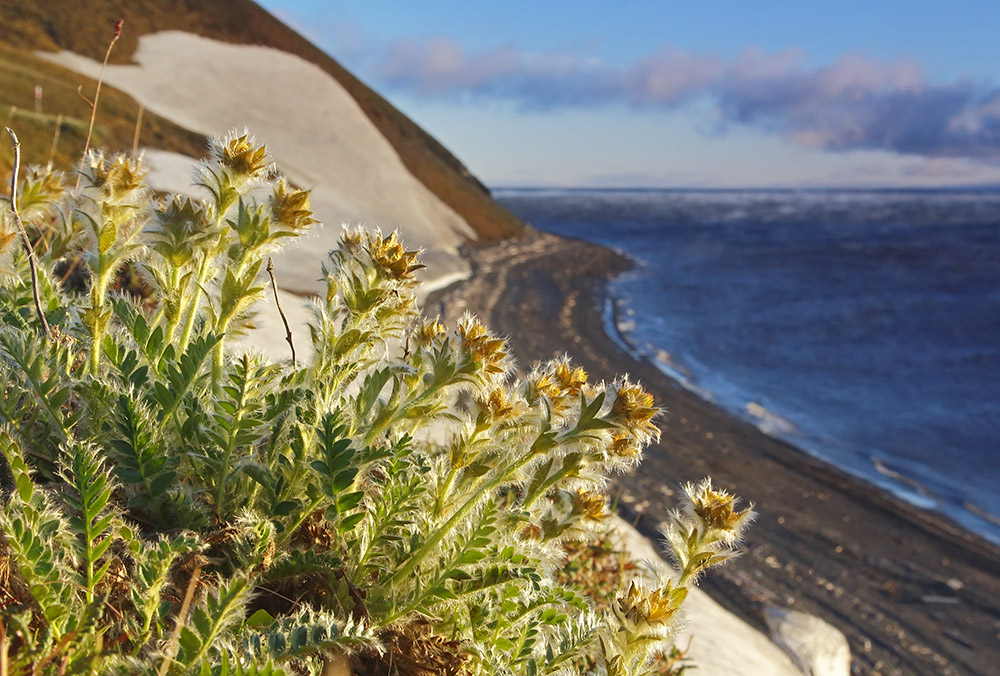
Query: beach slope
point(913, 593)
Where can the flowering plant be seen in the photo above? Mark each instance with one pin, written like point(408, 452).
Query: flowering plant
point(175, 507)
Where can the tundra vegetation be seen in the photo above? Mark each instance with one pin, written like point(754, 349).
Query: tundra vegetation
point(404, 500)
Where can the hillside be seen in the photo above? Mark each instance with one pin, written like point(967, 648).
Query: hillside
point(85, 28)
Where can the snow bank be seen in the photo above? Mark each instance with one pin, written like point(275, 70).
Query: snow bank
point(318, 134)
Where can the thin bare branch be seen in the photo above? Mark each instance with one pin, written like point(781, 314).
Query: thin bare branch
point(100, 80)
point(181, 619)
point(24, 234)
point(277, 301)
point(79, 92)
point(138, 126)
point(55, 140)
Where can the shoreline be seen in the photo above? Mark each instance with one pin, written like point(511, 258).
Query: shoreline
point(913, 592)
point(881, 477)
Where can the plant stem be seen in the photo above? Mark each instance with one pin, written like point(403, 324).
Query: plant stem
point(135, 139)
point(277, 301)
point(437, 536)
point(55, 140)
point(193, 311)
point(100, 79)
point(24, 234)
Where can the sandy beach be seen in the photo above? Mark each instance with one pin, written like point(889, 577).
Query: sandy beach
point(913, 593)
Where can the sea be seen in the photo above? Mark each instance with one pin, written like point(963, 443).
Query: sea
point(863, 326)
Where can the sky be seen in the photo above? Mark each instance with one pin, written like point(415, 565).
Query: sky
point(662, 93)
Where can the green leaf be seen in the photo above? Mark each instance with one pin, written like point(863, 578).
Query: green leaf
point(109, 233)
point(260, 618)
point(348, 523)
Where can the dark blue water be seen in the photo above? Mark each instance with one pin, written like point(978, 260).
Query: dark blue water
point(862, 325)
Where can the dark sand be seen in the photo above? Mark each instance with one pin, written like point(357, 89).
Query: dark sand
point(913, 593)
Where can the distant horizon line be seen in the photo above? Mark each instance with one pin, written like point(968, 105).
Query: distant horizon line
point(972, 187)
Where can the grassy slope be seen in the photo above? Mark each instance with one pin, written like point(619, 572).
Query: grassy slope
point(20, 71)
point(87, 27)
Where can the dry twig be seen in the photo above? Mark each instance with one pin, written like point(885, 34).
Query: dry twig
point(277, 301)
point(24, 234)
point(181, 619)
point(138, 126)
point(55, 140)
point(100, 79)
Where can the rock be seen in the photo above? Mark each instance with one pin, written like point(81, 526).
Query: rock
point(816, 647)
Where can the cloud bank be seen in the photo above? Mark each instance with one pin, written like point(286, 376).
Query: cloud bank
point(852, 103)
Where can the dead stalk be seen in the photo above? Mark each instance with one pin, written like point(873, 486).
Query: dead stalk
point(24, 234)
point(181, 618)
point(277, 301)
point(138, 126)
point(55, 140)
point(100, 79)
point(4, 646)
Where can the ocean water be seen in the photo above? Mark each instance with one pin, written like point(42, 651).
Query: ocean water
point(863, 326)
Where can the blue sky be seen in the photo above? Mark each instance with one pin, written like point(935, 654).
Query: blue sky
point(689, 94)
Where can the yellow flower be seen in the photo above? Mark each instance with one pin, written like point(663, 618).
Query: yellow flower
point(541, 385)
point(634, 410)
point(390, 256)
point(496, 405)
point(716, 509)
point(115, 182)
point(243, 157)
point(592, 505)
point(482, 348)
point(428, 332)
point(623, 445)
point(291, 207)
point(640, 607)
point(572, 380)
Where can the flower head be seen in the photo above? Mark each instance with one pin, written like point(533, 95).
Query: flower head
point(716, 510)
point(496, 405)
point(642, 611)
point(180, 226)
point(243, 157)
point(392, 259)
point(428, 332)
point(623, 445)
point(482, 348)
point(634, 410)
point(592, 505)
point(572, 380)
point(290, 207)
point(116, 181)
